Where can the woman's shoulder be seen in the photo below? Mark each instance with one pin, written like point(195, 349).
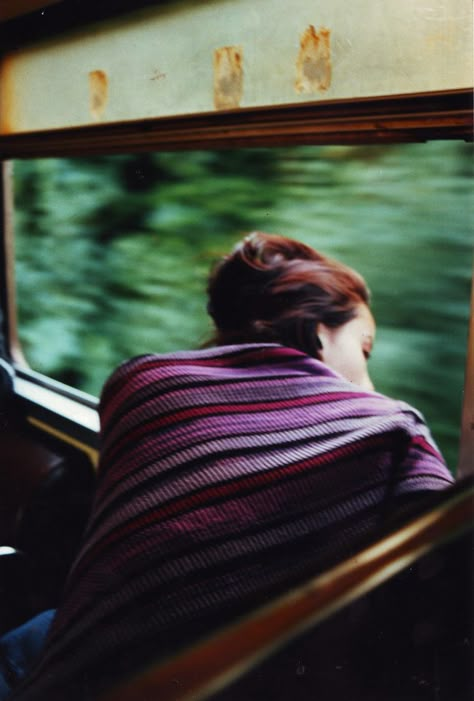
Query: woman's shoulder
point(265, 364)
point(411, 415)
point(166, 368)
point(232, 356)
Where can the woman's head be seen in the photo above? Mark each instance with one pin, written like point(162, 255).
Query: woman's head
point(277, 290)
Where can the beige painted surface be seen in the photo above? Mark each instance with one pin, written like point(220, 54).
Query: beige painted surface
point(162, 61)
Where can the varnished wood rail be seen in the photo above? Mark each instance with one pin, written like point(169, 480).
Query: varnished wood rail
point(209, 666)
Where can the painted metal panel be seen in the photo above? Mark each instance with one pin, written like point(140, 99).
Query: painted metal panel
point(184, 58)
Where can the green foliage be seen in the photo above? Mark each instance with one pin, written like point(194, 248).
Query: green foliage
point(113, 253)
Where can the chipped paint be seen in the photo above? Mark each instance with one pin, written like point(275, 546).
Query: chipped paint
point(313, 66)
point(98, 93)
point(157, 75)
point(228, 77)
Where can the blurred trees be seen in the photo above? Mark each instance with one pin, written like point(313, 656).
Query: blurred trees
point(113, 253)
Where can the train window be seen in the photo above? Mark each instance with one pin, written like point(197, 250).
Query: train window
point(141, 139)
point(112, 253)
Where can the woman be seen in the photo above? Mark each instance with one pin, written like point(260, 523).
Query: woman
point(230, 473)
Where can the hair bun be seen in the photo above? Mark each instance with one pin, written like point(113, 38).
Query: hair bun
point(275, 289)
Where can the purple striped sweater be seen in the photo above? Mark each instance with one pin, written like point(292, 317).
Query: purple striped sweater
point(226, 475)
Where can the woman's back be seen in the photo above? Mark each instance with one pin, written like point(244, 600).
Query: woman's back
point(226, 476)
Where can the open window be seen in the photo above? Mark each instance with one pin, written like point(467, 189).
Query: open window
point(126, 167)
point(112, 254)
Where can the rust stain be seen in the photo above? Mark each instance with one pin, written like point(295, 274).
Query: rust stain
point(7, 96)
point(228, 77)
point(313, 66)
point(98, 93)
point(158, 75)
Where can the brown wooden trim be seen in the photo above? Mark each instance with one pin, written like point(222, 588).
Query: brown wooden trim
point(398, 118)
point(221, 659)
point(7, 258)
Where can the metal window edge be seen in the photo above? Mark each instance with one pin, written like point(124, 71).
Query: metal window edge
point(50, 399)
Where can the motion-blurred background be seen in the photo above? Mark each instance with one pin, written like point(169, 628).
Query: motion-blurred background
point(112, 254)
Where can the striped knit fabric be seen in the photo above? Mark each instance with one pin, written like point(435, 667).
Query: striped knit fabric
point(226, 475)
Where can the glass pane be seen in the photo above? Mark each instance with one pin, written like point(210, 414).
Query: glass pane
point(112, 253)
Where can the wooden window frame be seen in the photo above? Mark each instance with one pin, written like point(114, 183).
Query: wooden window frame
point(409, 118)
point(387, 119)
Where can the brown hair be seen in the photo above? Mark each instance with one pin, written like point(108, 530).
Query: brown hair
point(276, 290)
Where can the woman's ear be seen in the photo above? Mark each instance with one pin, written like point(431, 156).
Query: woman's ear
point(325, 335)
point(319, 338)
